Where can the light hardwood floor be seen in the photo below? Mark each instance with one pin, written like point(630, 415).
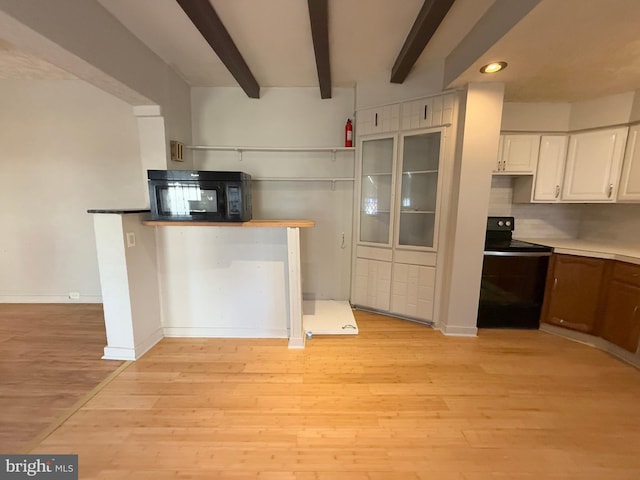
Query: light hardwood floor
point(49, 359)
point(397, 401)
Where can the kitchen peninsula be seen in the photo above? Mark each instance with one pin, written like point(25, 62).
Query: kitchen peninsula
point(197, 279)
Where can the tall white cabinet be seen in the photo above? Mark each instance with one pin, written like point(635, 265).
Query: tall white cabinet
point(400, 174)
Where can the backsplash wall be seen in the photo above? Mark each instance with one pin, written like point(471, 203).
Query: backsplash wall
point(534, 220)
point(617, 223)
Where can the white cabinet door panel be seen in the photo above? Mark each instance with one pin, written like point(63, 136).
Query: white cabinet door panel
point(372, 284)
point(413, 291)
point(593, 165)
point(630, 180)
point(519, 153)
point(551, 161)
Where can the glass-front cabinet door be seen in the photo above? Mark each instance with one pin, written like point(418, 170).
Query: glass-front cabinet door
point(417, 203)
point(376, 190)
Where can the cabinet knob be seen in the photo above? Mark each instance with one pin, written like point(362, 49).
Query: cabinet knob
point(610, 190)
point(557, 190)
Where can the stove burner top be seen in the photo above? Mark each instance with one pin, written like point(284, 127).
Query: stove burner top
point(514, 246)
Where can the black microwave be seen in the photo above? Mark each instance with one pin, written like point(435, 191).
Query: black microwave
point(190, 195)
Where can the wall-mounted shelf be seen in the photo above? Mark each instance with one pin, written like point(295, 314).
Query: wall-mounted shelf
point(240, 150)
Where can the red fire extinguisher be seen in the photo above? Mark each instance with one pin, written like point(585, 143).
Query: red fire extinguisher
point(348, 134)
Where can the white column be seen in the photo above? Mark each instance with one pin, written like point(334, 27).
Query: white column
point(296, 334)
point(477, 154)
point(153, 144)
point(129, 283)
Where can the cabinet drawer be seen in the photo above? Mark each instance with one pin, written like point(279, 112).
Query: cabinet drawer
point(373, 253)
point(627, 273)
point(378, 120)
point(416, 258)
point(428, 112)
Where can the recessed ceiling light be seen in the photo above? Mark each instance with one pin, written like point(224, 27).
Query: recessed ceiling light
point(493, 67)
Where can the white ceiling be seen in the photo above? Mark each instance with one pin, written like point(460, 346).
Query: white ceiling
point(274, 37)
point(563, 50)
point(569, 50)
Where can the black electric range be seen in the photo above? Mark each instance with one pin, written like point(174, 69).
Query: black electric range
point(513, 278)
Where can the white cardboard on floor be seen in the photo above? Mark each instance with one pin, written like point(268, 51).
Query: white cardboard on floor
point(328, 317)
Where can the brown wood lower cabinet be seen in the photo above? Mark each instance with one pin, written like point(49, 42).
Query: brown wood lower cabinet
point(573, 292)
point(621, 318)
point(595, 296)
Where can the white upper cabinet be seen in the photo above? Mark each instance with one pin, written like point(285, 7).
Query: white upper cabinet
point(427, 112)
point(629, 190)
point(551, 161)
point(518, 154)
point(378, 120)
point(593, 166)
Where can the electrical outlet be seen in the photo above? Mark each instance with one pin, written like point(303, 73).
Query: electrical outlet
point(74, 295)
point(131, 239)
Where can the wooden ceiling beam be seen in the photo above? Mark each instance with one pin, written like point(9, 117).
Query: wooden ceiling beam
point(319, 17)
point(206, 20)
point(427, 22)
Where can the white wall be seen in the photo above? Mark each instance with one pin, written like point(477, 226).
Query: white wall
point(289, 117)
point(634, 116)
point(66, 147)
point(601, 112)
point(211, 277)
point(535, 117)
point(566, 117)
point(101, 51)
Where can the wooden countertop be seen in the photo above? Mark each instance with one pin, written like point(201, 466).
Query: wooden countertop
point(250, 223)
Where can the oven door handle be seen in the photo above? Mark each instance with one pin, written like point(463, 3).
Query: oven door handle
point(517, 254)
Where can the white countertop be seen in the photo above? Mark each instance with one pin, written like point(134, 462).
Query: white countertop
point(591, 248)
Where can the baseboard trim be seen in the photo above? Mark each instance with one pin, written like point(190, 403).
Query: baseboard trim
point(119, 353)
point(49, 299)
point(458, 331)
point(146, 345)
point(296, 343)
point(596, 342)
point(212, 332)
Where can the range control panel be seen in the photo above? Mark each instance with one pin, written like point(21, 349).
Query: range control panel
point(500, 224)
